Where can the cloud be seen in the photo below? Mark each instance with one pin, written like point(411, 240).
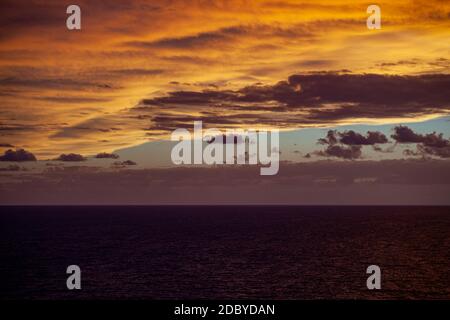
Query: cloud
point(129, 163)
point(431, 144)
point(352, 138)
point(71, 157)
point(349, 153)
point(321, 98)
point(223, 37)
point(105, 155)
point(17, 155)
point(187, 42)
point(53, 83)
point(442, 152)
point(404, 134)
point(348, 144)
point(124, 163)
point(424, 90)
point(6, 145)
point(94, 126)
point(205, 97)
point(330, 139)
point(136, 72)
point(75, 100)
point(134, 49)
point(33, 15)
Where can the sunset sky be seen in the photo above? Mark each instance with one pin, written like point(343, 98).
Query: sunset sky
point(137, 70)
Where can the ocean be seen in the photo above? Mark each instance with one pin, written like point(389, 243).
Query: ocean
point(224, 252)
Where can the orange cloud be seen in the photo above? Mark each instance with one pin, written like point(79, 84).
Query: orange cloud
point(53, 81)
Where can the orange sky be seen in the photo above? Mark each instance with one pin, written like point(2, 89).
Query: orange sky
point(71, 91)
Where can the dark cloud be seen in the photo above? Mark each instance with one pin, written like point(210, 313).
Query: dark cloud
point(371, 89)
point(137, 72)
point(349, 153)
point(352, 96)
point(105, 155)
point(205, 97)
point(71, 157)
point(442, 152)
point(187, 59)
point(352, 138)
point(53, 83)
point(172, 122)
point(330, 139)
point(348, 144)
point(17, 156)
point(18, 127)
point(6, 145)
point(431, 144)
point(316, 89)
point(93, 125)
point(399, 63)
point(124, 163)
point(222, 37)
point(317, 64)
point(441, 63)
point(404, 134)
point(199, 40)
point(17, 16)
point(59, 99)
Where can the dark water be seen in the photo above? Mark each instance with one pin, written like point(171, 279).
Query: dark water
point(225, 252)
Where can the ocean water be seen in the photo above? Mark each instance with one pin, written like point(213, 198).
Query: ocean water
point(228, 252)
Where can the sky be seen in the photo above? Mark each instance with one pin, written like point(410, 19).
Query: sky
point(137, 70)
